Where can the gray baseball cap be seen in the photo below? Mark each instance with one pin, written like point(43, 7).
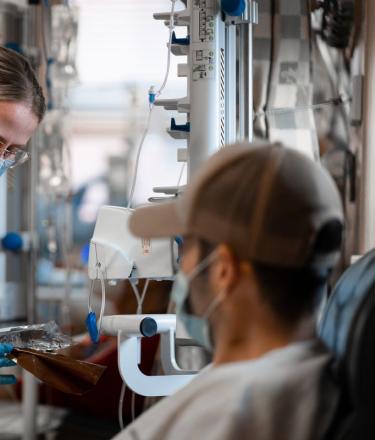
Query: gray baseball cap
point(267, 201)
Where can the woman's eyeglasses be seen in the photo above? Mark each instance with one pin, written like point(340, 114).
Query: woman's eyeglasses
point(16, 155)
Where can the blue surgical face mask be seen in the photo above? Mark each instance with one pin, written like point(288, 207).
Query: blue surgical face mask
point(5, 164)
point(197, 327)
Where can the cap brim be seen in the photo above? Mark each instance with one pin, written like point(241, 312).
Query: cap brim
point(156, 221)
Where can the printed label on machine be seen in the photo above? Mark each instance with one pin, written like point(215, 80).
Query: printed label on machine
point(203, 64)
point(204, 4)
point(146, 246)
point(204, 17)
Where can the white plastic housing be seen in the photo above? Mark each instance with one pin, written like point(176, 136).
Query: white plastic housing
point(120, 255)
point(130, 324)
point(127, 327)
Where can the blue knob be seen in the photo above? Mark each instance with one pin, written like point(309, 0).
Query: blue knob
point(233, 7)
point(12, 241)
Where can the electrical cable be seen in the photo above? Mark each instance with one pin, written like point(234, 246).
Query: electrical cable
point(181, 174)
point(121, 406)
point(283, 110)
point(48, 60)
point(144, 291)
point(171, 28)
point(140, 299)
point(133, 407)
point(98, 322)
point(139, 150)
point(93, 325)
point(102, 307)
point(136, 292)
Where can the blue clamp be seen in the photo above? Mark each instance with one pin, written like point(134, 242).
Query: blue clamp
point(85, 254)
point(181, 41)
point(179, 127)
point(151, 95)
point(235, 8)
point(92, 327)
point(12, 242)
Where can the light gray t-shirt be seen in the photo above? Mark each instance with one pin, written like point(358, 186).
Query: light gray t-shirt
point(274, 397)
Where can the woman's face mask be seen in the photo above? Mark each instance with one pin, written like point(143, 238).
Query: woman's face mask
point(196, 326)
point(5, 164)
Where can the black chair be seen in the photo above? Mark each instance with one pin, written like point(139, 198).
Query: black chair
point(348, 329)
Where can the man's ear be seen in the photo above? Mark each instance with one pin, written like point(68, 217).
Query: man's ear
point(225, 270)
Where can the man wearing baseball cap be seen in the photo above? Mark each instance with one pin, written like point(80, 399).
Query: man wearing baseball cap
point(261, 228)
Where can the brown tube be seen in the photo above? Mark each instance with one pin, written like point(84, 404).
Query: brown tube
point(60, 372)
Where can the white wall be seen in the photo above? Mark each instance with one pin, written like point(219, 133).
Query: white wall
point(120, 40)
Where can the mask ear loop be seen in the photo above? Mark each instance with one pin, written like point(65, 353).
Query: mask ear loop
point(197, 269)
point(202, 265)
point(220, 298)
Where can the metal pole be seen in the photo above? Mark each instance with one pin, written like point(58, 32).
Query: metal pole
point(32, 202)
point(206, 84)
point(245, 74)
point(3, 231)
point(241, 81)
point(367, 197)
point(30, 385)
point(249, 52)
point(29, 406)
point(230, 85)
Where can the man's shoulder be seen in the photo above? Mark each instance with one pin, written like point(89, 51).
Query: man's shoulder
point(221, 395)
point(293, 360)
point(283, 402)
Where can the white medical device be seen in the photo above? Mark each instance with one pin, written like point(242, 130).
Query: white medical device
point(117, 254)
point(130, 329)
point(217, 99)
point(213, 106)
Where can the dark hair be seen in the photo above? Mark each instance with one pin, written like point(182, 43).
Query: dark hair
point(292, 293)
point(18, 82)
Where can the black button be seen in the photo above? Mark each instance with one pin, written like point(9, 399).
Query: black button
point(148, 327)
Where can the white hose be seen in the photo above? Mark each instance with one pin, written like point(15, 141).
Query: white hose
point(121, 405)
point(151, 106)
point(140, 299)
point(136, 166)
point(102, 307)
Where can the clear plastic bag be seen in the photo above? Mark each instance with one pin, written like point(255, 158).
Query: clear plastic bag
point(40, 337)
